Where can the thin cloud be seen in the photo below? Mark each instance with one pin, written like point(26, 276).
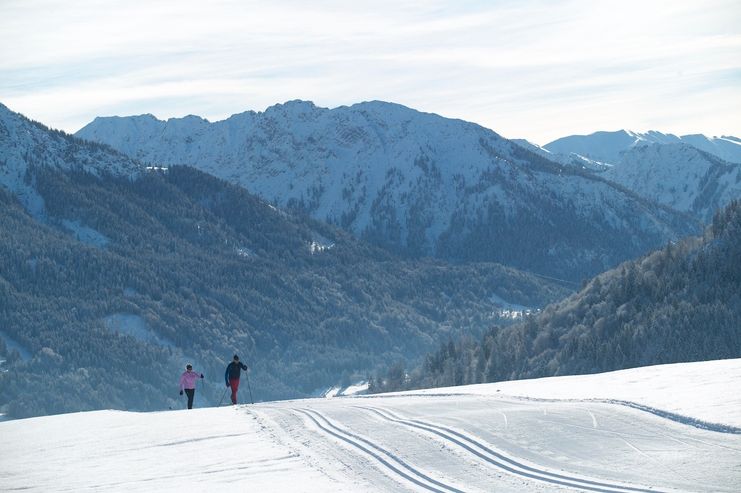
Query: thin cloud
point(532, 69)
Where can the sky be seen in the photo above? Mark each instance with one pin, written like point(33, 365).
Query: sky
point(527, 69)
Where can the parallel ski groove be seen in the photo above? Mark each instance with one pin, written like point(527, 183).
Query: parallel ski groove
point(353, 440)
point(503, 462)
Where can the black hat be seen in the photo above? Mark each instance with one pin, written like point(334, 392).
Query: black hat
point(188, 366)
point(236, 357)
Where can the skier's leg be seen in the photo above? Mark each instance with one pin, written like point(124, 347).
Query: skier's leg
point(191, 393)
point(234, 383)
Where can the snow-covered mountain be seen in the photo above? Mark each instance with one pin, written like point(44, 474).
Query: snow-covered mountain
point(609, 146)
point(25, 143)
point(413, 181)
point(664, 428)
point(679, 176)
point(692, 173)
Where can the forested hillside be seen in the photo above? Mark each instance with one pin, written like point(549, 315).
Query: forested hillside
point(681, 303)
point(121, 281)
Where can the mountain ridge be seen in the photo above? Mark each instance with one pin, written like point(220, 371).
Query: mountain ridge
point(24, 142)
point(608, 146)
point(417, 183)
point(693, 173)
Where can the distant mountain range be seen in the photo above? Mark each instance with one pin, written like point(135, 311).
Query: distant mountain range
point(609, 147)
point(693, 173)
point(413, 182)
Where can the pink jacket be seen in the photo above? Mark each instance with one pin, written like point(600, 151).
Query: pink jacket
point(188, 379)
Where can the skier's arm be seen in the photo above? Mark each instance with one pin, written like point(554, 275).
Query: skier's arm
point(243, 366)
point(182, 383)
point(226, 375)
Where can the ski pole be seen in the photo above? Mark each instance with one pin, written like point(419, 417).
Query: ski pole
point(246, 374)
point(203, 393)
point(222, 397)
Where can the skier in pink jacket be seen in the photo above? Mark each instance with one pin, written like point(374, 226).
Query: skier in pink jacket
point(188, 383)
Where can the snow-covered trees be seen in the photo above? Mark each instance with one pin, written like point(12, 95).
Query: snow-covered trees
point(681, 303)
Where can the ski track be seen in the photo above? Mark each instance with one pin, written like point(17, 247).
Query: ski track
point(412, 474)
point(499, 460)
point(678, 418)
point(649, 458)
point(594, 418)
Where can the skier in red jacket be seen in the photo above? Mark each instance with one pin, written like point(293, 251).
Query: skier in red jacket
point(231, 375)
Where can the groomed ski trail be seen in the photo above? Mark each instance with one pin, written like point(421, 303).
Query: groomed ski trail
point(390, 462)
point(497, 459)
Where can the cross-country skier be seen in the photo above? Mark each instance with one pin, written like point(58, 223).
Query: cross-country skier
point(231, 375)
point(188, 383)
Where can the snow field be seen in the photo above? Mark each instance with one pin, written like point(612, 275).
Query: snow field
point(705, 391)
point(557, 434)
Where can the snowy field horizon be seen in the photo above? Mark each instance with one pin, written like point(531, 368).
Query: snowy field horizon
point(659, 428)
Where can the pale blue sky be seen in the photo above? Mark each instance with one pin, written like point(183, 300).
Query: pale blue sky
point(527, 69)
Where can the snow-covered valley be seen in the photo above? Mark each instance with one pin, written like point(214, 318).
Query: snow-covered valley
point(664, 428)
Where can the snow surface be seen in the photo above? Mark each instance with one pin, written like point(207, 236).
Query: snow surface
point(537, 435)
point(86, 234)
point(136, 327)
point(692, 390)
point(510, 310)
point(570, 159)
point(350, 390)
point(11, 345)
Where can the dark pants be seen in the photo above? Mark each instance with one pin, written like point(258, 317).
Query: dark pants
point(190, 393)
point(234, 384)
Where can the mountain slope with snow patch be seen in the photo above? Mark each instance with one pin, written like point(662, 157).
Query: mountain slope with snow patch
point(25, 143)
point(679, 176)
point(693, 173)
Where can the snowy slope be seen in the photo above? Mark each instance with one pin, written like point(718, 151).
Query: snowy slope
point(410, 180)
point(539, 435)
point(570, 159)
point(693, 173)
point(725, 147)
point(679, 176)
point(25, 143)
